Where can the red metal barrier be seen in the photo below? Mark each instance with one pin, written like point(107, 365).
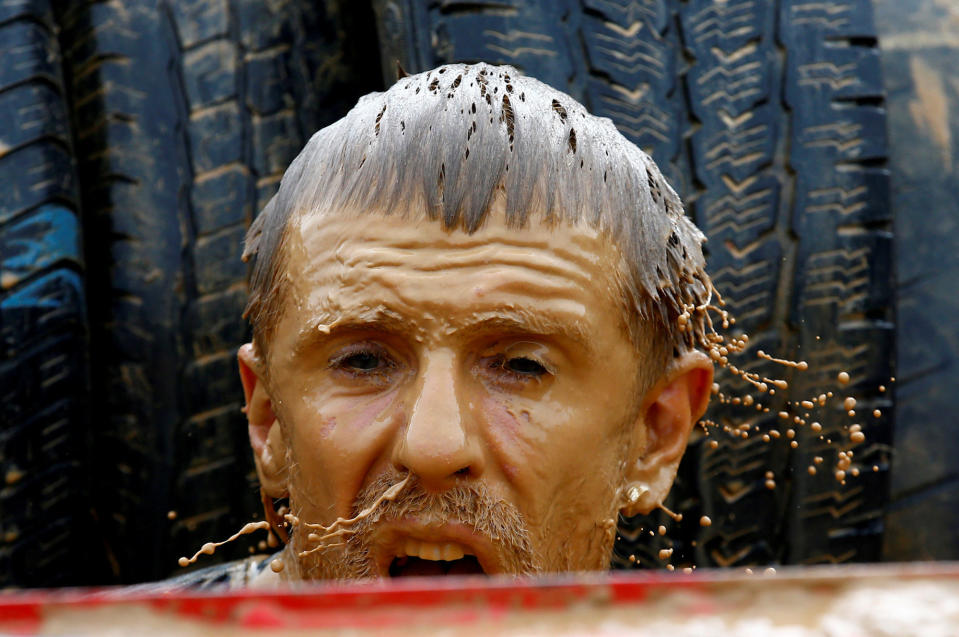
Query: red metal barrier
point(609, 603)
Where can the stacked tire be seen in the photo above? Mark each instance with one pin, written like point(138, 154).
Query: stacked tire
point(44, 421)
point(185, 115)
point(768, 118)
point(168, 125)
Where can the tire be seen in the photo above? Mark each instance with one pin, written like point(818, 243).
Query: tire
point(43, 327)
point(186, 114)
point(768, 119)
point(920, 45)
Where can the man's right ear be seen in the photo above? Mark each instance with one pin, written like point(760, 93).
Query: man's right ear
point(266, 435)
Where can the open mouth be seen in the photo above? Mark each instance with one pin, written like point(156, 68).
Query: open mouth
point(414, 566)
point(427, 558)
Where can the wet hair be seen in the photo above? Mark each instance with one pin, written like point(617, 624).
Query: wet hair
point(449, 141)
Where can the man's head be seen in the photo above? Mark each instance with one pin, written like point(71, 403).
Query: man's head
point(472, 331)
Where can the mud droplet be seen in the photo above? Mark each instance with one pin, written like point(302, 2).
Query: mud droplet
point(769, 571)
point(811, 470)
point(857, 436)
point(816, 427)
point(849, 403)
point(876, 413)
point(14, 476)
point(705, 521)
point(171, 515)
point(843, 378)
point(808, 404)
point(662, 530)
point(277, 565)
point(664, 554)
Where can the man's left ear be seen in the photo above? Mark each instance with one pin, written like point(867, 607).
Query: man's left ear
point(669, 411)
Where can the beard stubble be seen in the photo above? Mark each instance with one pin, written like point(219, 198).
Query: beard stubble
point(494, 519)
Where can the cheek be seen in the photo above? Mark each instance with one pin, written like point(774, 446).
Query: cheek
point(337, 442)
point(366, 414)
point(528, 441)
point(347, 417)
point(503, 428)
point(338, 439)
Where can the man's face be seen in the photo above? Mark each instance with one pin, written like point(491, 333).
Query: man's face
point(495, 367)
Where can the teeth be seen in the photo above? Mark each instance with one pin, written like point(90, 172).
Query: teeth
point(432, 551)
point(452, 552)
point(413, 548)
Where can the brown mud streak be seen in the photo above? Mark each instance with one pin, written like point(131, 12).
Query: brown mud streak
point(210, 547)
point(331, 531)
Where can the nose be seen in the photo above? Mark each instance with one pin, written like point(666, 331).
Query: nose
point(438, 445)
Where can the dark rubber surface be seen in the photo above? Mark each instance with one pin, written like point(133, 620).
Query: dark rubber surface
point(43, 329)
point(768, 118)
point(920, 46)
point(186, 114)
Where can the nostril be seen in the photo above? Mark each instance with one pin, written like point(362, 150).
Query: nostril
point(465, 471)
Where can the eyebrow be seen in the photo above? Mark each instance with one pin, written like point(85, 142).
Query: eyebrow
point(530, 322)
point(503, 320)
point(380, 320)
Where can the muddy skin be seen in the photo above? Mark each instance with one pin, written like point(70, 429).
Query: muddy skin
point(474, 361)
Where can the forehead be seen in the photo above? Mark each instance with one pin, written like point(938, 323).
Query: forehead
point(341, 267)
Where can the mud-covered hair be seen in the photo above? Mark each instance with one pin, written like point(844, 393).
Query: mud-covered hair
point(445, 141)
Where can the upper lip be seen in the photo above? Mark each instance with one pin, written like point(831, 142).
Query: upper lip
point(391, 536)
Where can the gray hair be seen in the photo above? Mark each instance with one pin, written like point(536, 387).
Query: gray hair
point(445, 141)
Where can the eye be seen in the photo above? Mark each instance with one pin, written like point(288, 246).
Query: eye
point(524, 366)
point(365, 361)
point(362, 360)
point(518, 365)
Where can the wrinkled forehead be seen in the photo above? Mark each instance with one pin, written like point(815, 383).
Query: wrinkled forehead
point(349, 263)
